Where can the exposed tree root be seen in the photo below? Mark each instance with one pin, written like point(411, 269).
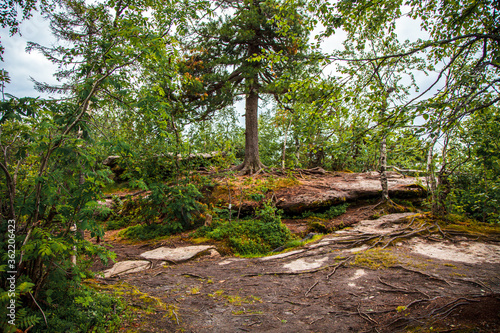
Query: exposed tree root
point(365, 316)
point(400, 289)
point(246, 168)
point(337, 266)
point(389, 206)
point(291, 273)
point(432, 277)
point(312, 171)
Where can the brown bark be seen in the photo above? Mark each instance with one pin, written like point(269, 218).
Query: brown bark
point(252, 163)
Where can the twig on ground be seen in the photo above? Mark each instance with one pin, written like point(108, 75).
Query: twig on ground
point(312, 287)
point(193, 276)
point(176, 318)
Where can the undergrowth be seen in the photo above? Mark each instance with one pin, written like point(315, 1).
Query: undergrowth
point(69, 307)
point(166, 210)
point(147, 231)
point(466, 224)
point(256, 236)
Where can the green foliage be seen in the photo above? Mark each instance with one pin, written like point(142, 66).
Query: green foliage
point(148, 231)
point(475, 185)
point(251, 236)
point(73, 307)
point(164, 211)
point(257, 196)
point(332, 212)
point(476, 197)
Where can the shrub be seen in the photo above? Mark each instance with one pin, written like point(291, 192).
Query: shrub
point(147, 231)
point(177, 206)
point(251, 236)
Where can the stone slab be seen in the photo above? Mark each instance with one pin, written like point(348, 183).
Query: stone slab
point(127, 267)
point(178, 254)
point(305, 265)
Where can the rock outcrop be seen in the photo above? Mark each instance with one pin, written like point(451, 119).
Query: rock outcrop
point(322, 191)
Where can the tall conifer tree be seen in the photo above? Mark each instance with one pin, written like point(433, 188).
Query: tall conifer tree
point(252, 47)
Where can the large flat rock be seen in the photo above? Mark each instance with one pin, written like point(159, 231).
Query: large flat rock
point(332, 190)
point(176, 254)
point(127, 267)
point(322, 191)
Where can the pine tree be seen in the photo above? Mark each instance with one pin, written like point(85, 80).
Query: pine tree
point(253, 47)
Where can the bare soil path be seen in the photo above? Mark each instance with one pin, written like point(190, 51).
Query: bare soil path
point(383, 275)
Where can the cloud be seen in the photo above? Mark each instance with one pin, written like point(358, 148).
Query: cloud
point(22, 65)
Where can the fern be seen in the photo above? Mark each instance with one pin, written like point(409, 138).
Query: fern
point(25, 320)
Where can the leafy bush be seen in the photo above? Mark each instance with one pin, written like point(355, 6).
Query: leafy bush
point(250, 236)
point(476, 197)
point(68, 305)
point(74, 307)
point(177, 207)
point(148, 231)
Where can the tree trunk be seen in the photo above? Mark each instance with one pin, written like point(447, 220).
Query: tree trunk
point(252, 163)
point(383, 150)
point(283, 156)
point(383, 170)
point(431, 177)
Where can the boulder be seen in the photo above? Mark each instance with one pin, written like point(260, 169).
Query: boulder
point(127, 267)
point(176, 255)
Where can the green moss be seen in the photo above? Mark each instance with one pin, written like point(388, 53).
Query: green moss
point(317, 226)
point(464, 224)
point(376, 258)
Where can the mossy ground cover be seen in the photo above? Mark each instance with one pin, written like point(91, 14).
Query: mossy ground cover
point(375, 259)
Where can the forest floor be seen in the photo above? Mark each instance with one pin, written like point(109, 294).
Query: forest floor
point(399, 273)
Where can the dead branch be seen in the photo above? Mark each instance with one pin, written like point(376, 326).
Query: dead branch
point(404, 170)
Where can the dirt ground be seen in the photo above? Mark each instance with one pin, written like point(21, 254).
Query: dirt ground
point(336, 284)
